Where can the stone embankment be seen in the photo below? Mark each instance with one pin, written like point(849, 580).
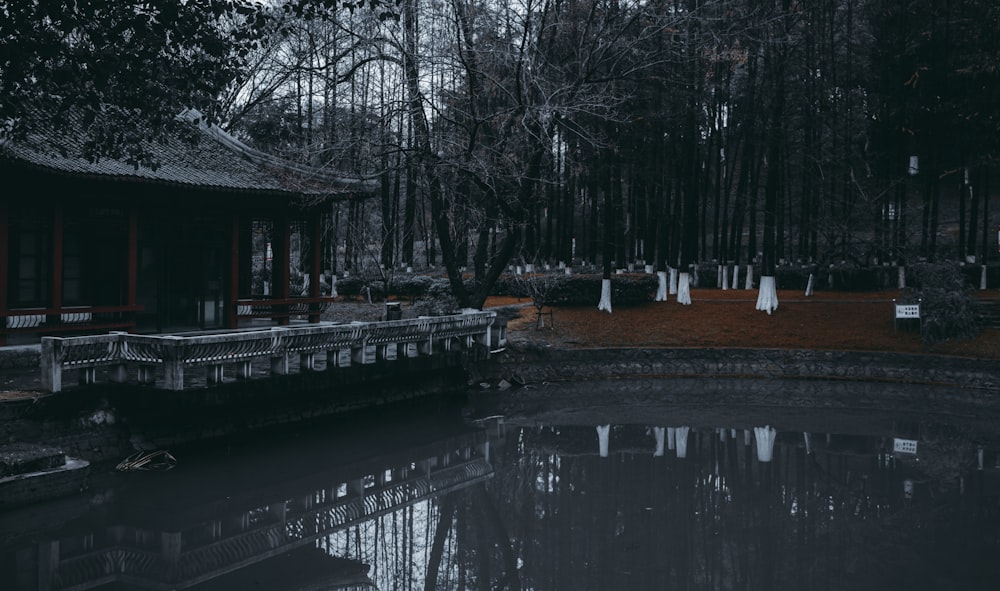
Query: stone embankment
point(528, 364)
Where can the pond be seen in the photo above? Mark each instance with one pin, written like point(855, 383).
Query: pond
point(644, 484)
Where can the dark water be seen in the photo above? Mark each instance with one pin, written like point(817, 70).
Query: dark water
point(678, 498)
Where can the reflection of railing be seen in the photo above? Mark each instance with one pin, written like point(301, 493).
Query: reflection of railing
point(288, 524)
point(366, 342)
point(95, 569)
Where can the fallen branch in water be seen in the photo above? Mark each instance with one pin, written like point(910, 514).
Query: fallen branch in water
point(148, 460)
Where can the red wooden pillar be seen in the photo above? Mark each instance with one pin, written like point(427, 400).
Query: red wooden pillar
point(317, 265)
point(281, 248)
point(233, 287)
point(4, 268)
point(55, 300)
point(132, 269)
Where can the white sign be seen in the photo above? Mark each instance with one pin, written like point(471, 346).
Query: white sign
point(908, 311)
point(904, 446)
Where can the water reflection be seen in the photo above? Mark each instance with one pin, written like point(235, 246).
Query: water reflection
point(555, 497)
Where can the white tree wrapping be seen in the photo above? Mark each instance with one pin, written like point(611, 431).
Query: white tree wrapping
point(682, 441)
point(809, 284)
point(767, 297)
point(661, 288)
point(765, 442)
point(684, 289)
point(749, 280)
point(673, 281)
point(658, 433)
point(605, 303)
point(602, 439)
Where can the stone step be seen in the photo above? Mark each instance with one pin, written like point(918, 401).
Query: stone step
point(24, 458)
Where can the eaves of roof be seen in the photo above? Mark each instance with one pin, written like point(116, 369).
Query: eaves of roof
point(215, 162)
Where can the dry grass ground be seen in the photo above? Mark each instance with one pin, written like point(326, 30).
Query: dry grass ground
point(716, 318)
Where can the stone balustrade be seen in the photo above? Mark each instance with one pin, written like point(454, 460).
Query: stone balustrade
point(172, 356)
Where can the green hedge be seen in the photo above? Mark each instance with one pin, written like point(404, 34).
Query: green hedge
point(585, 290)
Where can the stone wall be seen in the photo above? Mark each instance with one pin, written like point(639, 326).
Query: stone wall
point(19, 357)
point(534, 365)
point(103, 423)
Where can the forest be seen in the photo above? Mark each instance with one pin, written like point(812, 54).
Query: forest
point(744, 135)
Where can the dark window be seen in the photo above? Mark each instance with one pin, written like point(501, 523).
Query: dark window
point(30, 257)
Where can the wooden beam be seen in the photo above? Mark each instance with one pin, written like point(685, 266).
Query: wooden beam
point(317, 264)
point(232, 288)
point(56, 300)
point(132, 269)
point(4, 268)
point(281, 247)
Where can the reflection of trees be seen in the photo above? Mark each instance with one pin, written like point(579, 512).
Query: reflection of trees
point(719, 519)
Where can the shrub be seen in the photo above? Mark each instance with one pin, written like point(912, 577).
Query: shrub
point(509, 285)
point(437, 300)
point(947, 308)
point(351, 286)
point(585, 290)
point(414, 286)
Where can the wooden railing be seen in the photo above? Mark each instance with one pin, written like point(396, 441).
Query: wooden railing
point(173, 355)
point(67, 319)
point(283, 309)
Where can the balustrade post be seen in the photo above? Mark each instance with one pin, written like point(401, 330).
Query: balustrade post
point(214, 373)
point(406, 350)
point(170, 547)
point(363, 353)
point(88, 376)
point(388, 352)
point(279, 361)
point(279, 364)
point(173, 362)
point(485, 338)
point(48, 564)
point(244, 369)
point(119, 371)
point(51, 364)
point(147, 374)
point(426, 346)
point(356, 487)
point(337, 358)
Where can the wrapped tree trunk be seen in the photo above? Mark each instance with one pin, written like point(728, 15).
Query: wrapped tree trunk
point(609, 244)
point(661, 287)
point(604, 304)
point(684, 289)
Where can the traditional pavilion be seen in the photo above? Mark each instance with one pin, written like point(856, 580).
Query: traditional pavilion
point(217, 236)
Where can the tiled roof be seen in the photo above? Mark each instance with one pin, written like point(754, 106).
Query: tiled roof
point(216, 161)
